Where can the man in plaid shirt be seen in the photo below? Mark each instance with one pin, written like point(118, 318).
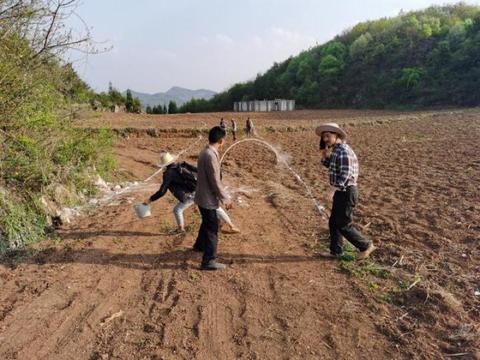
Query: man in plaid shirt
point(342, 164)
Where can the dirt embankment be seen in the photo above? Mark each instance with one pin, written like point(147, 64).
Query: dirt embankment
point(115, 287)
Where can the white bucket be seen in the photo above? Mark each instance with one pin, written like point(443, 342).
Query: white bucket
point(142, 210)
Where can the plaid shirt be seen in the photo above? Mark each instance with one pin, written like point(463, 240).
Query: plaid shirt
point(343, 166)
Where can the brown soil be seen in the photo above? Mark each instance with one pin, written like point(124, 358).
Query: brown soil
point(117, 287)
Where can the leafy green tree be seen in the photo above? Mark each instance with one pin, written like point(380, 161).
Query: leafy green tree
point(157, 109)
point(330, 67)
point(74, 88)
point(129, 103)
point(411, 78)
point(116, 96)
point(136, 106)
point(196, 105)
point(172, 107)
point(359, 46)
point(336, 49)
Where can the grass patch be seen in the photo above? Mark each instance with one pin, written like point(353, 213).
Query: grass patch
point(317, 247)
point(20, 224)
point(165, 226)
point(373, 286)
point(364, 268)
point(387, 297)
point(194, 276)
point(349, 266)
point(347, 257)
point(405, 285)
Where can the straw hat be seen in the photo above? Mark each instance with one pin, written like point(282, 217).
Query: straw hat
point(166, 159)
point(331, 127)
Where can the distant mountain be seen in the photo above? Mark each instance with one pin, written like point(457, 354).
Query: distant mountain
point(177, 94)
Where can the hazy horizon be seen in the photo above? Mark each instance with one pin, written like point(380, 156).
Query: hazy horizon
point(209, 45)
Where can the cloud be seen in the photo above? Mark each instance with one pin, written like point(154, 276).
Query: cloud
point(224, 39)
point(292, 40)
point(160, 53)
point(232, 60)
point(257, 41)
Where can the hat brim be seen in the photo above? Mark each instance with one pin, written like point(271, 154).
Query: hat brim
point(329, 128)
point(174, 158)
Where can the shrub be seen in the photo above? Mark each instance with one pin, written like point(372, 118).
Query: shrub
point(41, 150)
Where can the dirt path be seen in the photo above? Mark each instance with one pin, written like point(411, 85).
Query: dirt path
point(117, 287)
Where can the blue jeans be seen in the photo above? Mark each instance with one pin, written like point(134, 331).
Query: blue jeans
point(182, 206)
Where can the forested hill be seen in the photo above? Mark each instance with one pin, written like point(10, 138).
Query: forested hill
point(417, 59)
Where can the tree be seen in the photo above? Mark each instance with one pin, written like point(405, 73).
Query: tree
point(157, 109)
point(335, 48)
point(74, 88)
point(116, 96)
point(330, 67)
point(172, 107)
point(136, 106)
point(411, 77)
point(359, 46)
point(129, 103)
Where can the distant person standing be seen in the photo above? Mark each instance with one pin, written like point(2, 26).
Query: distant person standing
point(209, 194)
point(223, 124)
point(342, 164)
point(250, 129)
point(234, 130)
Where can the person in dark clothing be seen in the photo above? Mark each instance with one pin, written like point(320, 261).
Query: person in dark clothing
point(234, 130)
point(180, 179)
point(223, 124)
point(249, 128)
point(210, 193)
point(342, 163)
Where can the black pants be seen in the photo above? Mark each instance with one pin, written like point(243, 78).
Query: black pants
point(207, 238)
point(341, 222)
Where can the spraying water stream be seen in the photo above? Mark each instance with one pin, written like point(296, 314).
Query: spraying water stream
point(282, 159)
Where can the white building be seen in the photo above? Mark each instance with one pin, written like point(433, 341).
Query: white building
point(264, 105)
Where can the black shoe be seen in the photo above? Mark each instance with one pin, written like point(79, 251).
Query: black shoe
point(213, 265)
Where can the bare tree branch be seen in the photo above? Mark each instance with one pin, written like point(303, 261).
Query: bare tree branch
point(50, 28)
point(13, 7)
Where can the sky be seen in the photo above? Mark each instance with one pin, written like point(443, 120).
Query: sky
point(211, 44)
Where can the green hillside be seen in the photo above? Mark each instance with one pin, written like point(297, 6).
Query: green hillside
point(46, 162)
point(417, 59)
